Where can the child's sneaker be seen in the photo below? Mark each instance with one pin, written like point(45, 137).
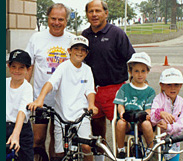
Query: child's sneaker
point(121, 154)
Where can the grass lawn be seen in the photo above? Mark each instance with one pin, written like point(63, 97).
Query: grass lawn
point(149, 28)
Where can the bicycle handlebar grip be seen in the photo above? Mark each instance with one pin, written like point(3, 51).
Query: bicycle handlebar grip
point(90, 112)
point(8, 150)
point(27, 107)
point(38, 109)
point(89, 142)
point(172, 140)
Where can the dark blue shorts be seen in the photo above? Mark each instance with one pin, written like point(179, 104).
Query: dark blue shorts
point(26, 152)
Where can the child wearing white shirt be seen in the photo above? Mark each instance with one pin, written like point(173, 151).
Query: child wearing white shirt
point(18, 94)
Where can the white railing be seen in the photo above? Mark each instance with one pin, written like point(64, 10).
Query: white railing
point(155, 28)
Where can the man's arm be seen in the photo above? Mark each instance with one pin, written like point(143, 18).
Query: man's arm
point(40, 100)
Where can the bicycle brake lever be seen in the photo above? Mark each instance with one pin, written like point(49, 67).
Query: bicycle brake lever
point(160, 135)
point(95, 137)
point(174, 152)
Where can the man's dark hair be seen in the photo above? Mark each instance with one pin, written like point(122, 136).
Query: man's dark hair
point(104, 5)
point(59, 5)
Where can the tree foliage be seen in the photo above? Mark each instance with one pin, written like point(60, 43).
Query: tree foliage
point(42, 6)
point(117, 10)
point(170, 9)
point(148, 9)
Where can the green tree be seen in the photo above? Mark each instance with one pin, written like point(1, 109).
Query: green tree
point(117, 10)
point(148, 8)
point(165, 9)
point(42, 6)
point(180, 11)
point(74, 23)
point(168, 9)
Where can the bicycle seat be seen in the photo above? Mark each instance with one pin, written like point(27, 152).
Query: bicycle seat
point(135, 116)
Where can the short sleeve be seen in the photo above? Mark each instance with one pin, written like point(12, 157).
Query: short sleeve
point(27, 97)
point(120, 97)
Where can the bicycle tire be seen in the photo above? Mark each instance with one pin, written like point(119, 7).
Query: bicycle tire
point(40, 154)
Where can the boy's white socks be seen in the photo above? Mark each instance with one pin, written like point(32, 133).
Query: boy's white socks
point(99, 157)
point(122, 149)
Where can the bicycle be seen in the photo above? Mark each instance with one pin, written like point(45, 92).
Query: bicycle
point(72, 142)
point(137, 149)
point(10, 154)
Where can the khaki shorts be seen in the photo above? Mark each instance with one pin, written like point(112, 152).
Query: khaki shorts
point(84, 131)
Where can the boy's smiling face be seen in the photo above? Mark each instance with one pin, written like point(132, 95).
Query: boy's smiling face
point(77, 54)
point(17, 71)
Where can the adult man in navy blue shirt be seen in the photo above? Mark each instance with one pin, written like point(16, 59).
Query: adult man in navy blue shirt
point(110, 49)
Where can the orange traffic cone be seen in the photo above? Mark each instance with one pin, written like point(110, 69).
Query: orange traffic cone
point(166, 61)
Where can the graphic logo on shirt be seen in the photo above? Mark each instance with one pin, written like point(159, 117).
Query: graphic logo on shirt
point(84, 81)
point(104, 39)
point(134, 102)
point(56, 56)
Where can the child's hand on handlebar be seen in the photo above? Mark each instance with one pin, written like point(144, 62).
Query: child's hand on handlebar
point(13, 140)
point(148, 117)
point(121, 116)
point(37, 103)
point(94, 109)
point(162, 124)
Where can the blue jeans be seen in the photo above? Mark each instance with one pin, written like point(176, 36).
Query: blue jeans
point(26, 152)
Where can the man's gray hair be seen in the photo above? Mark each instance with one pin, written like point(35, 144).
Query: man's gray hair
point(59, 5)
point(104, 5)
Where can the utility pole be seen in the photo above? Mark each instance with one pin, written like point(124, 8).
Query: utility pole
point(126, 2)
point(76, 22)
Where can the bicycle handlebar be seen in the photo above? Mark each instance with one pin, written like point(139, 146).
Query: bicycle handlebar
point(97, 141)
point(172, 140)
point(94, 142)
point(50, 111)
point(135, 116)
point(10, 153)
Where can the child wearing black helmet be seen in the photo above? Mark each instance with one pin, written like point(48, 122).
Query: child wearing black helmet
point(18, 94)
